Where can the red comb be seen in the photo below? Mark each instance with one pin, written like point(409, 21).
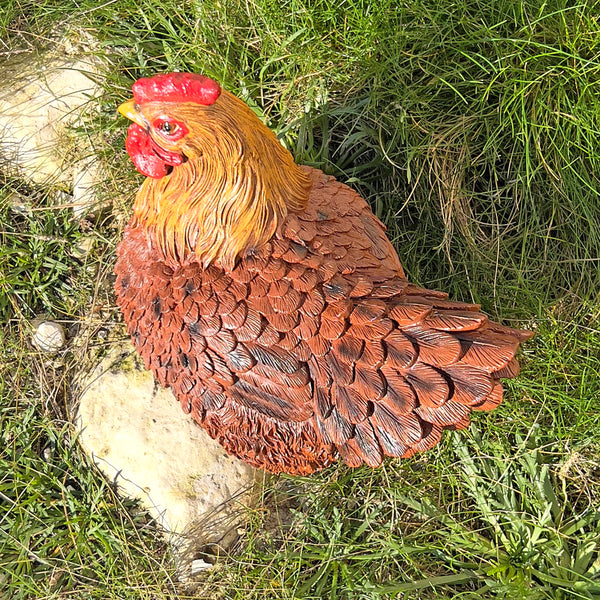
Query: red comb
point(176, 87)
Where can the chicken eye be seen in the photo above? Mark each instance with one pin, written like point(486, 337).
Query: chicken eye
point(167, 127)
point(174, 130)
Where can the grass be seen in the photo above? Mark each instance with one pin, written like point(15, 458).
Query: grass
point(472, 129)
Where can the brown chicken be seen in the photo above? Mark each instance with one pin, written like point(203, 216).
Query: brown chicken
point(268, 298)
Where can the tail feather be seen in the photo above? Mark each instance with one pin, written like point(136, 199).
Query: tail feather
point(494, 398)
point(403, 387)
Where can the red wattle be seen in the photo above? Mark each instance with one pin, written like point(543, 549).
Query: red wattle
point(147, 156)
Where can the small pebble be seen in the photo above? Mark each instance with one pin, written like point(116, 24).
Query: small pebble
point(19, 204)
point(83, 246)
point(49, 336)
point(200, 565)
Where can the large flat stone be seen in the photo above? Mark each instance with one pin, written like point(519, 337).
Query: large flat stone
point(140, 438)
point(41, 97)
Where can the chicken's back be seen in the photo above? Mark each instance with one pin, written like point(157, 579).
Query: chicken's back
point(315, 345)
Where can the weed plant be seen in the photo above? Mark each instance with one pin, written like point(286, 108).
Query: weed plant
point(471, 127)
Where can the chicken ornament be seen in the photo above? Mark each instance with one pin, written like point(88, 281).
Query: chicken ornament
point(267, 297)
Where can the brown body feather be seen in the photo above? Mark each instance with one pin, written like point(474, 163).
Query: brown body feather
point(314, 345)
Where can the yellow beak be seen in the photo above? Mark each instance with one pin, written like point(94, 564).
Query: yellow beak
point(129, 109)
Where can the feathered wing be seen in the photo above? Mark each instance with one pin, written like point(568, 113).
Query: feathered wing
point(315, 344)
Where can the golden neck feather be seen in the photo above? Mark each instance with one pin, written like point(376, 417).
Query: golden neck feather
point(230, 195)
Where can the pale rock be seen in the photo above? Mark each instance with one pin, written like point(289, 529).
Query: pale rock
point(40, 98)
point(140, 438)
point(48, 336)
